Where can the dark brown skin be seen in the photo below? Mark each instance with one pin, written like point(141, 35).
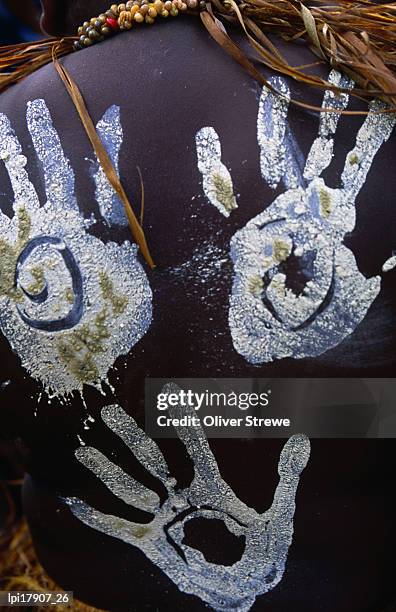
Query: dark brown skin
point(170, 80)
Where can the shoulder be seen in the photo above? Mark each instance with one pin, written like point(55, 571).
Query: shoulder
point(132, 66)
point(161, 85)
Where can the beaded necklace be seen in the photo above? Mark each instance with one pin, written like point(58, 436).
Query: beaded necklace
point(125, 16)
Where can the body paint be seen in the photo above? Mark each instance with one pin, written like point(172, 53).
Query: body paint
point(69, 303)
point(110, 131)
point(267, 535)
point(297, 291)
point(217, 181)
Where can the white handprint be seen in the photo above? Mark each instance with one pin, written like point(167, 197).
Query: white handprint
point(297, 290)
point(69, 304)
point(267, 535)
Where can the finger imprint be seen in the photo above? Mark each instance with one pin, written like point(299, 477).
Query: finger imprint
point(117, 481)
point(58, 174)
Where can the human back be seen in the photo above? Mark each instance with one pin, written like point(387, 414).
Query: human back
point(183, 318)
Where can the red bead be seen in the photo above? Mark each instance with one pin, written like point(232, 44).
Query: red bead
point(112, 23)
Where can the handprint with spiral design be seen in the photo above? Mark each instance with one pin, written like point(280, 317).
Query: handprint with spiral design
point(69, 303)
point(297, 291)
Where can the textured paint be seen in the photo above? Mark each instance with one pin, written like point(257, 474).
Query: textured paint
point(322, 150)
point(217, 182)
point(389, 264)
point(280, 156)
point(58, 174)
point(297, 291)
point(110, 131)
point(268, 535)
point(69, 304)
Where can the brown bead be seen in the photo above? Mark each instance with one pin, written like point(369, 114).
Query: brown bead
point(144, 9)
point(80, 30)
point(164, 13)
point(174, 12)
point(92, 22)
point(114, 9)
point(192, 4)
point(129, 5)
point(139, 17)
point(158, 5)
point(134, 10)
point(87, 41)
point(121, 7)
point(152, 12)
point(110, 14)
point(168, 5)
point(105, 30)
point(93, 35)
point(125, 17)
point(149, 20)
point(183, 6)
point(102, 18)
